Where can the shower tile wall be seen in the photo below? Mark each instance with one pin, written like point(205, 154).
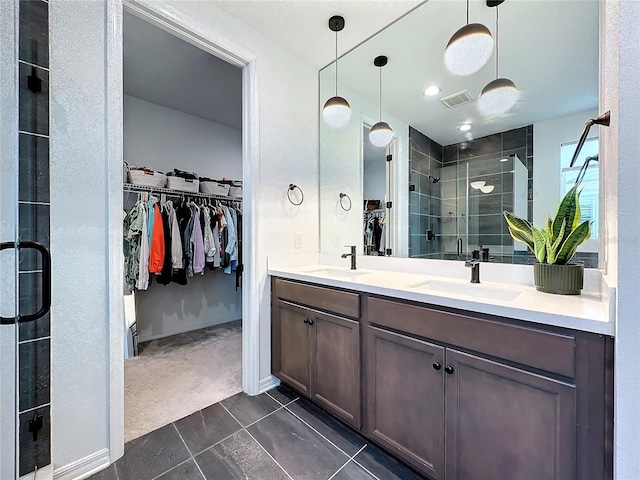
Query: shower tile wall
point(425, 158)
point(33, 223)
point(485, 223)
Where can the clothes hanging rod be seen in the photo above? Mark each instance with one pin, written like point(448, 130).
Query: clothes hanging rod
point(130, 187)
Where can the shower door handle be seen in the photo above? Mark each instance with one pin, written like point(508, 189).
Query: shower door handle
point(46, 281)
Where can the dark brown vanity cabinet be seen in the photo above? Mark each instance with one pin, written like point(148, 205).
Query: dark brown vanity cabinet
point(404, 398)
point(503, 422)
point(316, 352)
point(457, 395)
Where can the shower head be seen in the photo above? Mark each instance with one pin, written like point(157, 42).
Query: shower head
point(434, 179)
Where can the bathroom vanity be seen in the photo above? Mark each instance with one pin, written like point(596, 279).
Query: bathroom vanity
point(455, 392)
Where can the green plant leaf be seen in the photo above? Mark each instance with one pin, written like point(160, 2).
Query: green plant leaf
point(569, 210)
point(540, 245)
point(521, 237)
point(520, 225)
point(570, 245)
point(552, 247)
point(550, 227)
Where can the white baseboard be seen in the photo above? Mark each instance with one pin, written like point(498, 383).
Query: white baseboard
point(268, 383)
point(85, 467)
point(188, 328)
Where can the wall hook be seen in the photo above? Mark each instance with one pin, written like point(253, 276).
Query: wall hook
point(342, 196)
point(291, 188)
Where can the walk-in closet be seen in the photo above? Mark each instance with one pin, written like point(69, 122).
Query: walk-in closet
point(183, 204)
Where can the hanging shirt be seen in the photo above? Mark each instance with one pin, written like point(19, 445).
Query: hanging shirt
point(216, 242)
point(198, 244)
point(176, 239)
point(150, 220)
point(167, 271)
point(132, 242)
point(209, 244)
point(143, 275)
point(156, 256)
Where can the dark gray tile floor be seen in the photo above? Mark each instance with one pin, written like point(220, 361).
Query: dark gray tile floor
point(274, 436)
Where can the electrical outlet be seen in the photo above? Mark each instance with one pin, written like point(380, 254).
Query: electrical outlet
point(297, 240)
point(336, 240)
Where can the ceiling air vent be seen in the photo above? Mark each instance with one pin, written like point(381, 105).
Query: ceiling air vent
point(457, 99)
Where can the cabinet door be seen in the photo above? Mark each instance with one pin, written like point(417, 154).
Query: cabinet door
point(405, 398)
point(335, 366)
point(291, 334)
point(502, 422)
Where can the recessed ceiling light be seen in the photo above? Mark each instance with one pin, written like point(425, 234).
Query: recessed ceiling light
point(465, 127)
point(478, 184)
point(487, 188)
point(432, 90)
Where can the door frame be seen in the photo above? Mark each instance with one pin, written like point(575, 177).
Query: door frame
point(187, 29)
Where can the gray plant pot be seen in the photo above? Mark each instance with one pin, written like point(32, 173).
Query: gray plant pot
point(559, 279)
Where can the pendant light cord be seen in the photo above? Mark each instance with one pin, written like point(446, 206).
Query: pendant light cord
point(497, 42)
point(380, 93)
point(336, 63)
point(467, 12)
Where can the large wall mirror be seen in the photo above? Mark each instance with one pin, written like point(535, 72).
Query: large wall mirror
point(437, 190)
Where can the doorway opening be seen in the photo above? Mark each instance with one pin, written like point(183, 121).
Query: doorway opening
point(183, 148)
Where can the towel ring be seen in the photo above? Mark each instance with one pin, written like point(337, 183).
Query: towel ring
point(290, 189)
point(342, 195)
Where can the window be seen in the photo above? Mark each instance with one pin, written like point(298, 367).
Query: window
point(590, 184)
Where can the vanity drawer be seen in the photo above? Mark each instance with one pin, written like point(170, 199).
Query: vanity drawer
point(343, 303)
point(539, 349)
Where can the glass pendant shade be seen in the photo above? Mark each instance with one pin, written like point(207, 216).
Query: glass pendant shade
point(468, 50)
point(498, 97)
point(477, 184)
point(336, 112)
point(381, 134)
point(487, 188)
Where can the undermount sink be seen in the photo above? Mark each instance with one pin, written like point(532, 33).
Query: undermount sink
point(339, 273)
point(468, 290)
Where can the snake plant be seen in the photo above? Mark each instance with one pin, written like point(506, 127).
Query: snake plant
point(558, 241)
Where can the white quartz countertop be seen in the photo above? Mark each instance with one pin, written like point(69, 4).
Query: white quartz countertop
point(587, 312)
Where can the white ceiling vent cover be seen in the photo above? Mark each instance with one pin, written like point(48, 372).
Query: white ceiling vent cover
point(457, 99)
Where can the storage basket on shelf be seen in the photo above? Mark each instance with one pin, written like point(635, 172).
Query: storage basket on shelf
point(147, 176)
point(214, 187)
point(236, 188)
point(184, 184)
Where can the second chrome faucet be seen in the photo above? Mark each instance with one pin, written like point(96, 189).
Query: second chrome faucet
point(352, 255)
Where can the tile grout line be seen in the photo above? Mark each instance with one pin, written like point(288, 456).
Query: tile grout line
point(34, 64)
point(348, 461)
point(311, 427)
point(259, 444)
point(41, 135)
point(365, 468)
point(188, 451)
point(172, 468)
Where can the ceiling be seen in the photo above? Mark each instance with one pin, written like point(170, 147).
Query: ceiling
point(165, 70)
point(301, 26)
point(548, 48)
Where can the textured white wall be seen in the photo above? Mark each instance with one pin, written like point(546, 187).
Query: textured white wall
point(548, 136)
point(341, 170)
point(163, 138)
point(79, 225)
point(81, 169)
point(621, 65)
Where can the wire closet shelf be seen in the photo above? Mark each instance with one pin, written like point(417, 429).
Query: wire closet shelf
point(130, 187)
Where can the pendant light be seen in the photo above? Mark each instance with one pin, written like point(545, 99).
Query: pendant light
point(469, 49)
point(336, 111)
point(500, 95)
point(381, 133)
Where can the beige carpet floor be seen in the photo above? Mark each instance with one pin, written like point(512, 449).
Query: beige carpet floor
point(176, 376)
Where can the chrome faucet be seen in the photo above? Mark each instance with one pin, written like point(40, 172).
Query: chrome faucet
point(475, 270)
point(352, 255)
